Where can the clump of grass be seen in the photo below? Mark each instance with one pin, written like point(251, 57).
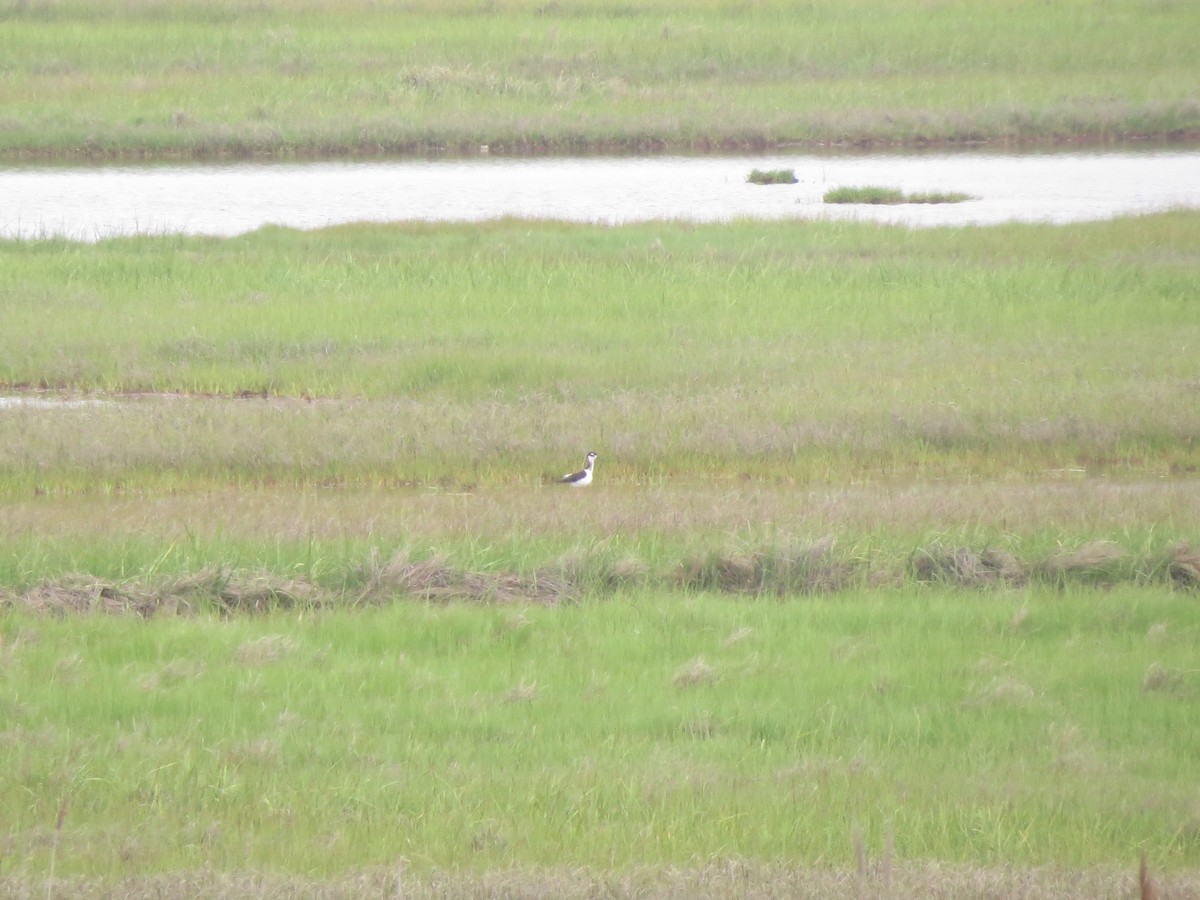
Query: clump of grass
point(965, 567)
point(792, 570)
point(593, 571)
point(1162, 679)
point(435, 579)
point(1183, 565)
point(1096, 561)
point(938, 197)
point(772, 176)
point(891, 196)
point(695, 673)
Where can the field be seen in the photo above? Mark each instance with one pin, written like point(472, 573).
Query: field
point(933, 742)
point(219, 78)
point(887, 583)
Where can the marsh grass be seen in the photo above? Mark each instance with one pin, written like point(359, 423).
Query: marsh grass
point(772, 176)
point(473, 355)
point(766, 570)
point(891, 196)
point(894, 536)
point(605, 736)
point(216, 78)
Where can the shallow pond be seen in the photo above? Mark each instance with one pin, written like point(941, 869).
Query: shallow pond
point(97, 202)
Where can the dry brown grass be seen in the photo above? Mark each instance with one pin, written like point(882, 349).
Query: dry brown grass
point(237, 591)
point(1094, 558)
point(389, 515)
point(1164, 680)
point(229, 591)
point(1183, 565)
point(434, 579)
point(965, 567)
point(808, 569)
point(732, 879)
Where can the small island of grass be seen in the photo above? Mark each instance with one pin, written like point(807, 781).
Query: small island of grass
point(880, 195)
point(772, 176)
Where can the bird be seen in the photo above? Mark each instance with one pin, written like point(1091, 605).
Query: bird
point(583, 477)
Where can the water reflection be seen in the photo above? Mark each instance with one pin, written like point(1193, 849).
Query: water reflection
point(98, 202)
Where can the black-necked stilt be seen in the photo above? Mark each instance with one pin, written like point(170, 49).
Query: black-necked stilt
point(582, 478)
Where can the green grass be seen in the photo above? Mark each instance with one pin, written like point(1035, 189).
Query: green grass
point(1028, 729)
point(464, 355)
point(339, 546)
point(892, 542)
point(882, 195)
point(214, 77)
point(772, 176)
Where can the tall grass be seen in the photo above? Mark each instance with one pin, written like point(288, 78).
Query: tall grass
point(468, 355)
point(1022, 730)
point(213, 77)
point(744, 538)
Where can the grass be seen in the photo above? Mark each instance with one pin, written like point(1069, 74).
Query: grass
point(336, 547)
point(460, 355)
point(1025, 729)
point(882, 195)
point(772, 176)
point(886, 585)
point(211, 78)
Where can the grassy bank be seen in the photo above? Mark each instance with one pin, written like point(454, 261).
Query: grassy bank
point(1026, 729)
point(216, 78)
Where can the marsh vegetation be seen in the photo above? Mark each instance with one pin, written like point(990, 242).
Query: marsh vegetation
point(888, 585)
point(772, 176)
point(216, 78)
point(930, 496)
point(883, 195)
point(657, 729)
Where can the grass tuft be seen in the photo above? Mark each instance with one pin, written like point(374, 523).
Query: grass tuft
point(772, 176)
point(695, 674)
point(1161, 679)
point(433, 579)
point(964, 567)
point(1183, 565)
point(1094, 561)
point(774, 570)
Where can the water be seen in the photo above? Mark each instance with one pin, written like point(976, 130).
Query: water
point(99, 202)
